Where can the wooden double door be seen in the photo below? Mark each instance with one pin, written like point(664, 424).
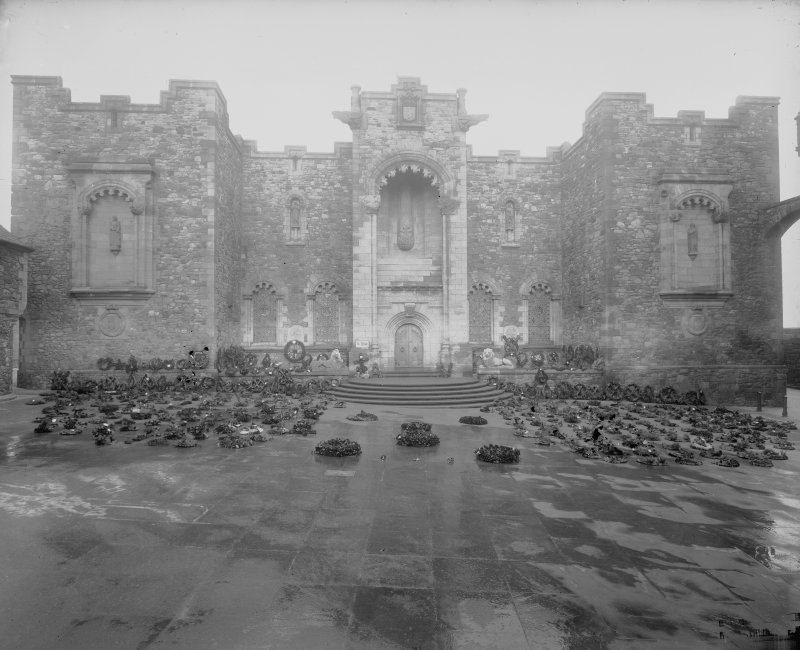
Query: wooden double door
point(408, 346)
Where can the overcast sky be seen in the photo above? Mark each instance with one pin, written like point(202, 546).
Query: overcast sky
point(534, 67)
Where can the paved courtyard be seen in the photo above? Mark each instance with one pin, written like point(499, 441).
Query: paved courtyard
point(270, 546)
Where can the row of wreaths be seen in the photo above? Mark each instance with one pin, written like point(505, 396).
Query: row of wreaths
point(581, 356)
point(613, 391)
point(194, 361)
point(233, 358)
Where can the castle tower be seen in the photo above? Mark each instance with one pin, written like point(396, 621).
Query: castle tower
point(409, 223)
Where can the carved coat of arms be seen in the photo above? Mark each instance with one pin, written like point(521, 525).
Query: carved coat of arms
point(409, 112)
point(405, 234)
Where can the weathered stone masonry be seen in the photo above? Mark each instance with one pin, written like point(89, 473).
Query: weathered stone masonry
point(13, 298)
point(156, 230)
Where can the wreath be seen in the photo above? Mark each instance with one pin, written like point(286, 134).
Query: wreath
point(105, 363)
point(472, 419)
point(338, 447)
point(614, 391)
point(417, 438)
point(294, 351)
point(497, 454)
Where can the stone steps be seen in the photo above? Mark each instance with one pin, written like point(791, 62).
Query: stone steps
point(424, 391)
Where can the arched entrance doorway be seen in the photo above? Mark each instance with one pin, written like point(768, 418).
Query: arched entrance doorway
point(408, 346)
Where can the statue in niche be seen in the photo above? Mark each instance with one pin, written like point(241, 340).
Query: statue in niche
point(115, 236)
point(405, 234)
point(691, 240)
point(405, 224)
point(294, 219)
point(511, 213)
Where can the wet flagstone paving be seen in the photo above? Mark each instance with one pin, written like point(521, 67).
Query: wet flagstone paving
point(273, 547)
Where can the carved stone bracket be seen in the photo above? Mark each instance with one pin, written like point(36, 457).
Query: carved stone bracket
point(371, 203)
point(353, 119)
point(448, 205)
point(465, 122)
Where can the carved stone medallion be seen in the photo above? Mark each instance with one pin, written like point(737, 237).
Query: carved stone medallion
point(111, 323)
point(696, 322)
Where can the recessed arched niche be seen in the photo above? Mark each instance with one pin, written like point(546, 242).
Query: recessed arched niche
point(409, 219)
point(112, 231)
point(695, 239)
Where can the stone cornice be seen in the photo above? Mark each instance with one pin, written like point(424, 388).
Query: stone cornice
point(35, 80)
point(677, 176)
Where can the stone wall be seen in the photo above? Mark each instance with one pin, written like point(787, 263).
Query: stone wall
point(322, 254)
point(585, 189)
point(13, 299)
point(509, 263)
point(722, 384)
point(608, 228)
point(619, 181)
point(635, 152)
point(791, 355)
point(175, 139)
point(228, 237)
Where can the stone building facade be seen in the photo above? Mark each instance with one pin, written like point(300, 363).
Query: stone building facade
point(156, 230)
point(13, 299)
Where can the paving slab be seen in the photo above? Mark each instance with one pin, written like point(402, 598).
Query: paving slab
point(271, 546)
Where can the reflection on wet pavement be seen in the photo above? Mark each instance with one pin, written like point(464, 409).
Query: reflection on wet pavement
point(272, 547)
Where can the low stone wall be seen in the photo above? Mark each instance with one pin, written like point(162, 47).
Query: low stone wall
point(528, 376)
point(791, 355)
point(734, 384)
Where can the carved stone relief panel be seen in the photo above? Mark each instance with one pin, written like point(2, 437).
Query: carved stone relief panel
point(265, 315)
point(538, 316)
point(481, 314)
point(326, 317)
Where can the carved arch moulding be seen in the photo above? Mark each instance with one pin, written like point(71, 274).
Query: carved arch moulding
point(114, 219)
point(413, 162)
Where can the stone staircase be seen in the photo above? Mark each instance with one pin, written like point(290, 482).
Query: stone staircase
point(417, 389)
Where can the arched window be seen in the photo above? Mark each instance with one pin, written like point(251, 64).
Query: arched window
point(509, 222)
point(294, 222)
point(326, 313)
point(481, 313)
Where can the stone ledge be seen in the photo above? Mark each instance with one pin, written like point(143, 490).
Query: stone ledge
point(688, 299)
point(117, 296)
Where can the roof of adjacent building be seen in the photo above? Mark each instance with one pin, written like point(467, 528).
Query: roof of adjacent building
point(11, 240)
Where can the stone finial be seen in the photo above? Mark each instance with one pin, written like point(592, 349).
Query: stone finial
point(462, 105)
point(797, 148)
point(355, 99)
